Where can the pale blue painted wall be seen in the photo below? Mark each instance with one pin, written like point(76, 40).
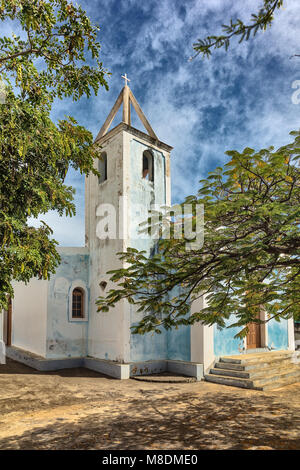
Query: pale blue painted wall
point(179, 343)
point(66, 338)
point(179, 340)
point(145, 193)
point(225, 344)
point(224, 341)
point(151, 346)
point(278, 334)
point(172, 344)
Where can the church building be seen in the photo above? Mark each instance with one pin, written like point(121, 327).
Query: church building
point(54, 324)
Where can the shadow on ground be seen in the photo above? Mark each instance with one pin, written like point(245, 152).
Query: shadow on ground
point(16, 368)
point(185, 421)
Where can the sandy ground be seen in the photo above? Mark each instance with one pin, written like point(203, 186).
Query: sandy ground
point(80, 409)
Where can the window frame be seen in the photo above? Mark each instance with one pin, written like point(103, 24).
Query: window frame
point(78, 284)
point(102, 178)
point(81, 291)
point(150, 161)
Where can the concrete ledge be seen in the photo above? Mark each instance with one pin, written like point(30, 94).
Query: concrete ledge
point(189, 369)
point(110, 368)
point(40, 363)
point(113, 369)
point(147, 367)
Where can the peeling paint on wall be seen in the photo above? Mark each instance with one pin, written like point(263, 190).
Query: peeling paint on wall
point(64, 337)
point(174, 344)
point(224, 342)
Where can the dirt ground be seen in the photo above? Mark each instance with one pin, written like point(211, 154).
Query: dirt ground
point(80, 409)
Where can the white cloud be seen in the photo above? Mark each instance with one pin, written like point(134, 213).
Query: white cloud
point(250, 84)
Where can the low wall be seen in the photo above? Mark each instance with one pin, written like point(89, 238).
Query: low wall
point(110, 368)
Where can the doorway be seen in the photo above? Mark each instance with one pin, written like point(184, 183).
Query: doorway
point(254, 336)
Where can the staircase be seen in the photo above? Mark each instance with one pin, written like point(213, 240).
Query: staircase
point(259, 371)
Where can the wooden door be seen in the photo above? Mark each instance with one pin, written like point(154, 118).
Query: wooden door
point(253, 336)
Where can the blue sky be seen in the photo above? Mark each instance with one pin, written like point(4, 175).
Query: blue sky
point(201, 107)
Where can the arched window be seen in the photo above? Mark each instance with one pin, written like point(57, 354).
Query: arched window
point(102, 167)
point(148, 166)
point(78, 303)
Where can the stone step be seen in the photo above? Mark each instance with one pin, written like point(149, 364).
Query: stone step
point(261, 382)
point(254, 366)
point(267, 383)
point(246, 383)
point(231, 381)
point(229, 366)
point(230, 360)
point(281, 383)
point(265, 366)
point(260, 358)
point(265, 371)
point(230, 373)
point(272, 370)
point(254, 374)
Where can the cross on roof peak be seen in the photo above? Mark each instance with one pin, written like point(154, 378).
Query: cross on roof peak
point(126, 98)
point(126, 79)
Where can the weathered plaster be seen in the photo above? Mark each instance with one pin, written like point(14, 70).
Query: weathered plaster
point(42, 314)
point(278, 334)
point(202, 338)
point(67, 337)
point(275, 337)
point(145, 195)
point(224, 342)
point(108, 333)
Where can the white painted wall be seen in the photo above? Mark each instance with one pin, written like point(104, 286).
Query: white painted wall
point(109, 333)
point(291, 334)
point(1, 325)
point(202, 338)
point(66, 336)
point(29, 316)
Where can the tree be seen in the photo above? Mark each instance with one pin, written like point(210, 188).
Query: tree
point(49, 60)
point(260, 21)
point(250, 256)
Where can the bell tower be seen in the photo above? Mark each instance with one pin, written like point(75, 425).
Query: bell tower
point(135, 177)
